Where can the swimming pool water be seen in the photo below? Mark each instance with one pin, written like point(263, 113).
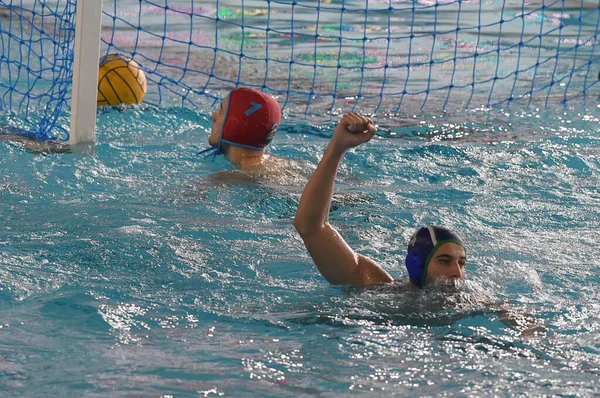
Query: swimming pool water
point(144, 270)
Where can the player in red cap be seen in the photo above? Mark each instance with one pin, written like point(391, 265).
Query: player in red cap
point(243, 126)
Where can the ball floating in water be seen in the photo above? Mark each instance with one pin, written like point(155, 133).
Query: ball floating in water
point(120, 81)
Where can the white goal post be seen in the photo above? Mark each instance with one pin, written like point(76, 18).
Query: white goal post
point(85, 72)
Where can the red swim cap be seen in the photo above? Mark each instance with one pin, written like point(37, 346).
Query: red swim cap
point(252, 119)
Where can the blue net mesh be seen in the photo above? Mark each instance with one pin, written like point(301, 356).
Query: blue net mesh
point(36, 43)
point(317, 57)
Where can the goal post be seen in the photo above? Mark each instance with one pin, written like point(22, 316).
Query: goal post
point(85, 72)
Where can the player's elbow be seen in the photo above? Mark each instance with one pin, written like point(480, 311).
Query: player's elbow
point(305, 226)
point(301, 225)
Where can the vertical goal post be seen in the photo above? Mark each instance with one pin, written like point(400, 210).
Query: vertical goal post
point(88, 26)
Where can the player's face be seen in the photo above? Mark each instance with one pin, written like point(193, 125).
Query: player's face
point(447, 263)
point(218, 118)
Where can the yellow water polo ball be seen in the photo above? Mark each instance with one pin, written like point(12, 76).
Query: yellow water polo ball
point(120, 81)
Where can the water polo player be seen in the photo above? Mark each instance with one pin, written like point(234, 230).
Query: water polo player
point(434, 253)
point(245, 123)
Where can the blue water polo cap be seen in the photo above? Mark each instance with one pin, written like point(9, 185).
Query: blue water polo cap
point(421, 247)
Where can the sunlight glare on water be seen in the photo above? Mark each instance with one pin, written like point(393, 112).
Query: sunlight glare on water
point(144, 269)
point(140, 269)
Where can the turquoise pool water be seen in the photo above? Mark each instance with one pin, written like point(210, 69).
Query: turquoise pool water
point(144, 270)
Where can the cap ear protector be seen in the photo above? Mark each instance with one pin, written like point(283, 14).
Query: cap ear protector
point(414, 266)
point(421, 248)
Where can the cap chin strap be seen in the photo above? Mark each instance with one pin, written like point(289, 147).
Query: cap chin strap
point(213, 151)
point(254, 148)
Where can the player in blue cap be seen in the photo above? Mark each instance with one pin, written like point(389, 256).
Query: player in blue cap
point(434, 253)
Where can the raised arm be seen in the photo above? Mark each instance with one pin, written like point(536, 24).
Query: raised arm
point(336, 261)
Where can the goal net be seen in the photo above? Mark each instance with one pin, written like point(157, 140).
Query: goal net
point(318, 57)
